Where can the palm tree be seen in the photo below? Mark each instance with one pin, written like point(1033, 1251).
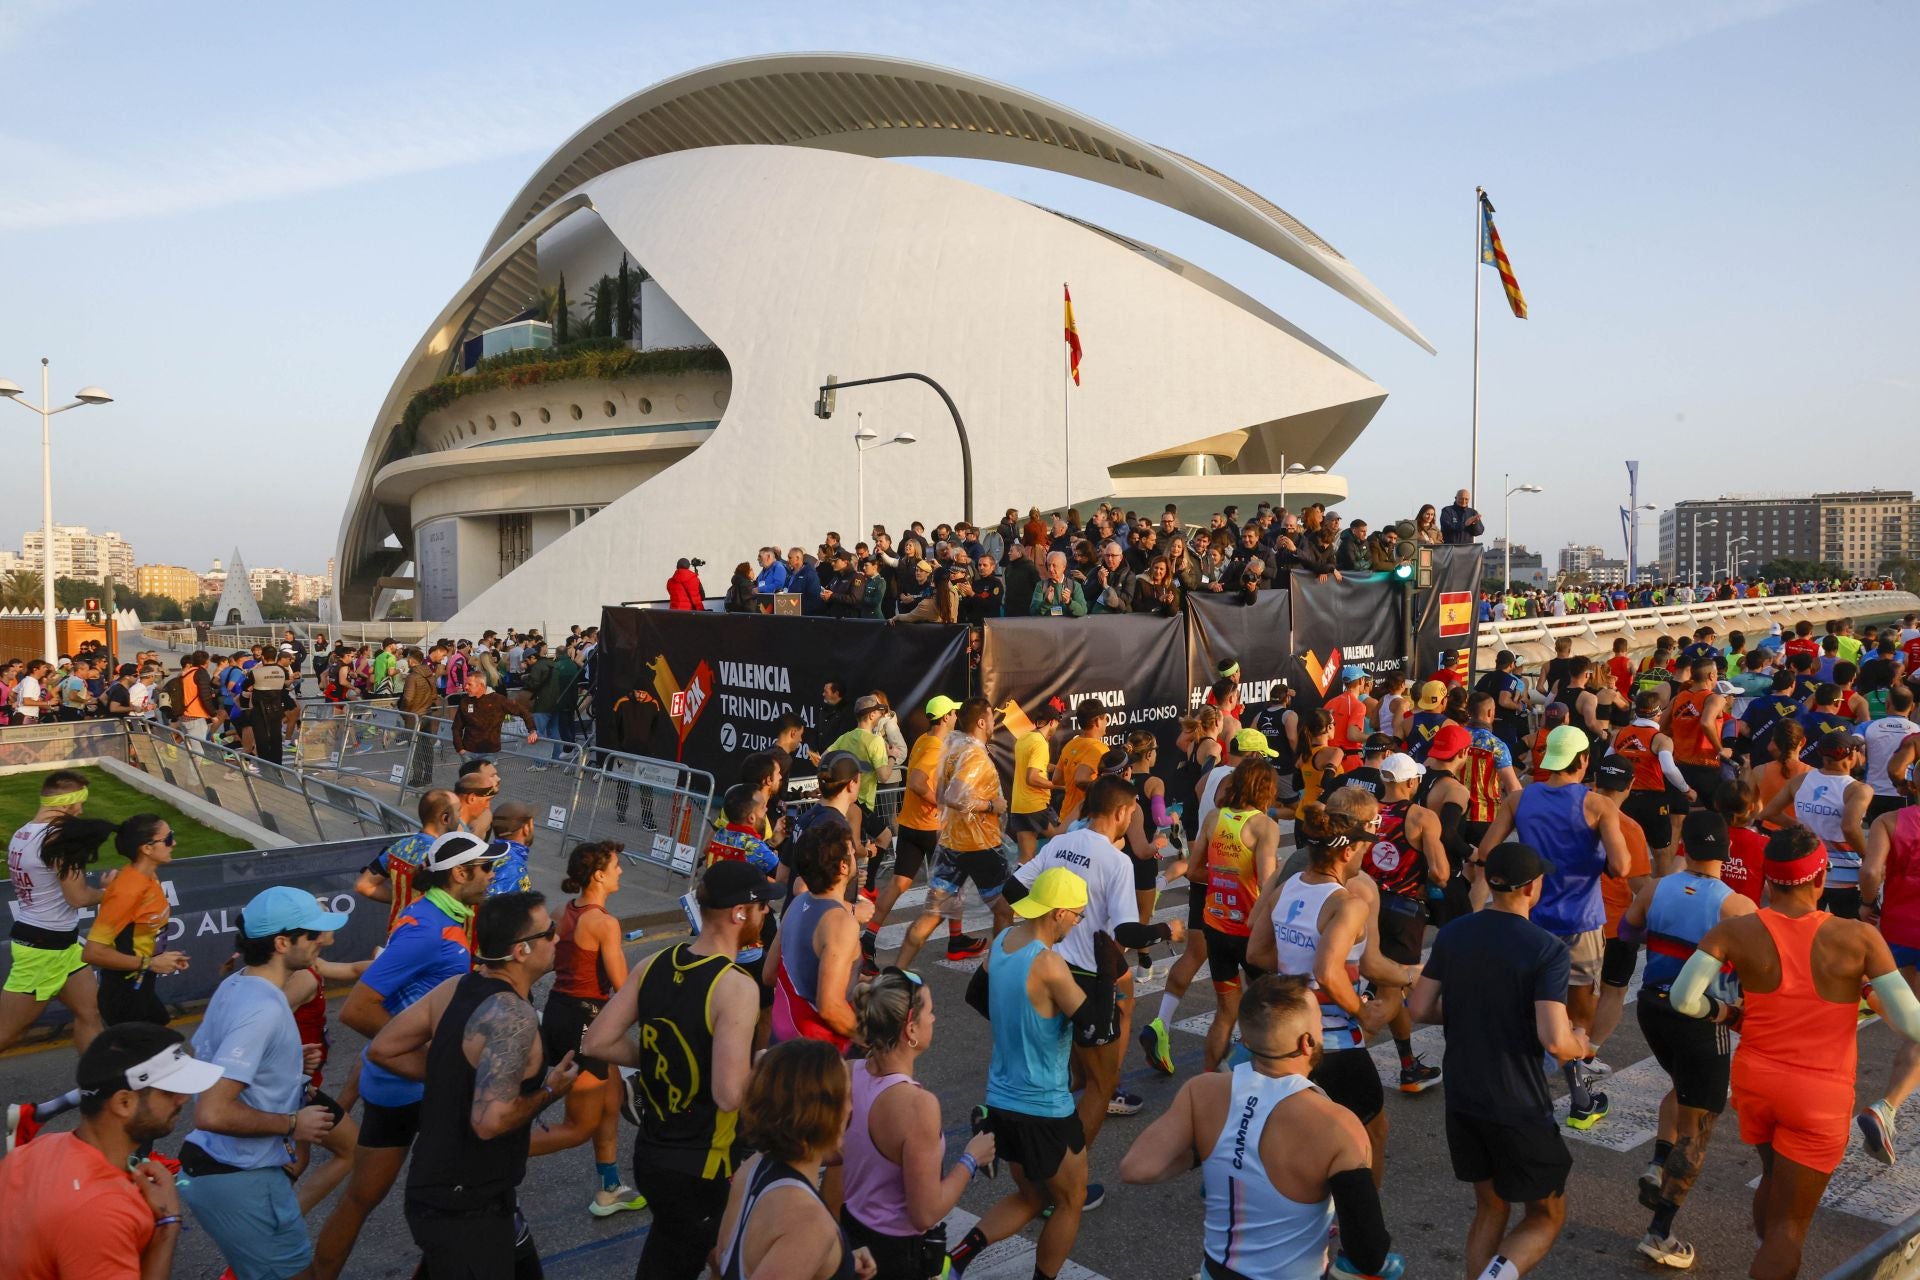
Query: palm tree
point(20, 589)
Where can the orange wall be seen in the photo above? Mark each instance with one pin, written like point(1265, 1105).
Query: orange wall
point(20, 637)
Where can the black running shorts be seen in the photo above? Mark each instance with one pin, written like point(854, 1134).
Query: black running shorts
point(1697, 1055)
point(1523, 1162)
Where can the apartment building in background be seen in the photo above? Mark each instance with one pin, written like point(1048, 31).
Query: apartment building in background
point(173, 581)
point(1859, 530)
point(77, 553)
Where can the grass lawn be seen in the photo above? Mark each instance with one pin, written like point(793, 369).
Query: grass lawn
point(115, 801)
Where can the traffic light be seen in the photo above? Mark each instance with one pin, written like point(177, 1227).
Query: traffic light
point(93, 610)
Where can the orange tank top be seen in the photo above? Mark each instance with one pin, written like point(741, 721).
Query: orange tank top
point(1793, 1027)
point(1232, 880)
point(1691, 744)
point(1635, 743)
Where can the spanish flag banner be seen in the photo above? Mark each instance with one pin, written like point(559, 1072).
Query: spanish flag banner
point(1492, 254)
point(1073, 339)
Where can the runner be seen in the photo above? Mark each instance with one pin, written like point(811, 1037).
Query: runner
point(588, 967)
point(1323, 924)
point(1270, 1210)
point(429, 945)
point(1429, 714)
point(1442, 791)
point(1884, 738)
point(1801, 971)
point(1656, 778)
point(1739, 803)
point(1408, 860)
point(1031, 816)
point(1832, 804)
point(1578, 834)
point(919, 818)
point(969, 847)
point(896, 1193)
point(1037, 1009)
point(1080, 758)
point(1671, 915)
point(695, 1010)
point(49, 889)
point(1498, 983)
point(123, 944)
point(389, 877)
point(1242, 849)
point(1692, 720)
point(812, 958)
point(1093, 853)
point(1347, 709)
point(1890, 876)
point(1612, 779)
point(1146, 837)
point(474, 1042)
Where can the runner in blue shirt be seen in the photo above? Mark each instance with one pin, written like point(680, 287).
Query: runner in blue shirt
point(513, 843)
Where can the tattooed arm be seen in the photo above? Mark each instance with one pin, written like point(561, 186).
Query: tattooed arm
point(502, 1041)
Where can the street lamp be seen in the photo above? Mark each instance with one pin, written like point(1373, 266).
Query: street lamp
point(1296, 469)
point(1693, 560)
point(1506, 506)
point(1633, 540)
point(865, 441)
point(86, 395)
point(823, 409)
point(1731, 544)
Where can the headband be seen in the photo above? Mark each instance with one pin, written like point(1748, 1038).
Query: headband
point(1792, 871)
point(65, 799)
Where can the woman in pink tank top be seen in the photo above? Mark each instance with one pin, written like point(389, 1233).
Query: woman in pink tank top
point(896, 1194)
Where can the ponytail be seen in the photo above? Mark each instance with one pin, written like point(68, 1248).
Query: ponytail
point(882, 1008)
point(72, 844)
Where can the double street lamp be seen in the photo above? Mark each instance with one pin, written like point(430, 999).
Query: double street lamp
point(865, 441)
point(86, 395)
point(1506, 505)
point(1693, 561)
point(1297, 469)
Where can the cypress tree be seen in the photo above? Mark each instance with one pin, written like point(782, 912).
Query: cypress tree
point(623, 304)
point(560, 313)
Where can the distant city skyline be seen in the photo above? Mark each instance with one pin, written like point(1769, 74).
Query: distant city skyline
point(245, 270)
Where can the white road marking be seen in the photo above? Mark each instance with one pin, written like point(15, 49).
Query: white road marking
point(1012, 1258)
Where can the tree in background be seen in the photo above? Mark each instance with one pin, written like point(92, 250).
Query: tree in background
point(602, 301)
point(560, 318)
point(623, 303)
point(400, 609)
point(1904, 572)
point(20, 589)
point(1800, 570)
point(639, 280)
point(276, 601)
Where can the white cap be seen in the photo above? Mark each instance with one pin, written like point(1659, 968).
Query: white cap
point(1727, 689)
point(1401, 767)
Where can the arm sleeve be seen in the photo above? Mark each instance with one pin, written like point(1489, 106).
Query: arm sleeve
point(1902, 1011)
point(1097, 1021)
point(1363, 1227)
point(1689, 992)
point(1135, 936)
point(977, 993)
point(1672, 772)
point(1159, 816)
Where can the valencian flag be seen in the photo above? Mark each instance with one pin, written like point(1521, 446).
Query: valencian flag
point(1492, 254)
point(1073, 339)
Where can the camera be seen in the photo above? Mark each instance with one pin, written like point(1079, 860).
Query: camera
point(698, 564)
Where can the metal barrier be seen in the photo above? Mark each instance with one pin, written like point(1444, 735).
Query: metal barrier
point(659, 809)
point(286, 801)
point(1894, 1256)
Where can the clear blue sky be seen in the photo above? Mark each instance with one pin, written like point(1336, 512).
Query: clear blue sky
point(238, 218)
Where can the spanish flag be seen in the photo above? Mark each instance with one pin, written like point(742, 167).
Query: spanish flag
point(1073, 339)
point(1492, 254)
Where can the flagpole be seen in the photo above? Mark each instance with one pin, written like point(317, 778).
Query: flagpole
point(1066, 415)
point(1479, 235)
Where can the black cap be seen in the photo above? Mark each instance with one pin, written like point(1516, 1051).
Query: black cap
point(732, 883)
point(1613, 773)
point(839, 766)
point(1839, 744)
point(1514, 866)
point(1703, 836)
point(1377, 742)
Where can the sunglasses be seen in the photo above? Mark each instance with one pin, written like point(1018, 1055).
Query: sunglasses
point(167, 840)
point(551, 931)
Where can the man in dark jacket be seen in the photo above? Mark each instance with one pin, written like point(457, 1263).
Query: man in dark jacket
point(1352, 554)
point(1460, 524)
point(840, 592)
point(804, 579)
point(1021, 578)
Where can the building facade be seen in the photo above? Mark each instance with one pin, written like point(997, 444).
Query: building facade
point(1858, 530)
point(78, 553)
point(509, 501)
point(1861, 530)
point(1580, 559)
point(170, 580)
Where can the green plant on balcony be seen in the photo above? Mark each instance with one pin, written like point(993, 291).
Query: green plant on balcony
point(591, 358)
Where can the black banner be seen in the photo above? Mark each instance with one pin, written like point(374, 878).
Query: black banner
point(207, 894)
point(724, 679)
point(1136, 666)
point(1447, 615)
point(1355, 622)
point(1259, 636)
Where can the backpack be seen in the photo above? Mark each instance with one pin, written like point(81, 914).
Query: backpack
point(171, 697)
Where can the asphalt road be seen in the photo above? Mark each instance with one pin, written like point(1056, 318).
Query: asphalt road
point(1154, 1232)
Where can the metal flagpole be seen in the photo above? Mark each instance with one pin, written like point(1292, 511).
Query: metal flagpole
point(1066, 415)
point(1479, 238)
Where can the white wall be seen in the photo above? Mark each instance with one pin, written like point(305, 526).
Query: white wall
point(583, 250)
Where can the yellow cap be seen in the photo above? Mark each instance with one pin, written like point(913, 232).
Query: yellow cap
point(1056, 889)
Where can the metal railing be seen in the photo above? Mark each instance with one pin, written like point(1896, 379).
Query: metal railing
point(1640, 626)
point(659, 809)
point(300, 807)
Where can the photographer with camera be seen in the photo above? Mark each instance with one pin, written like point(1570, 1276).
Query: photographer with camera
point(683, 588)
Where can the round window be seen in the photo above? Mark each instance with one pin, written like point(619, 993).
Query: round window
point(574, 409)
point(646, 405)
point(545, 416)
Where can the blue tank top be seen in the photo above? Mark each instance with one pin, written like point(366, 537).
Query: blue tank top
point(796, 944)
point(1684, 907)
point(1028, 1073)
point(1251, 1229)
point(1553, 820)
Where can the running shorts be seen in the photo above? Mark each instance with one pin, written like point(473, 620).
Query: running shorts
point(1880, 806)
point(1696, 1054)
point(1904, 957)
point(1196, 907)
point(122, 1001)
point(1403, 928)
point(563, 1026)
point(1038, 823)
point(915, 1257)
point(1227, 958)
point(911, 849)
point(388, 1126)
point(1805, 1117)
point(1842, 900)
point(1524, 1163)
point(1038, 1144)
point(1653, 810)
point(1349, 1077)
point(1703, 780)
point(1146, 873)
point(41, 972)
point(1586, 949)
point(987, 868)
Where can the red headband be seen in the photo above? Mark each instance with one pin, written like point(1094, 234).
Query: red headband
point(1794, 871)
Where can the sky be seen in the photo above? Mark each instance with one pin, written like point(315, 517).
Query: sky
point(238, 219)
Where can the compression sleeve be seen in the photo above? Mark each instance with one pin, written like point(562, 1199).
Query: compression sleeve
point(977, 993)
point(1897, 1004)
point(1135, 934)
point(1158, 815)
point(1689, 992)
point(1012, 889)
point(1097, 1020)
point(1363, 1228)
point(1673, 774)
point(1459, 849)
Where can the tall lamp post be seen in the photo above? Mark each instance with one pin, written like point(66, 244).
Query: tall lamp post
point(823, 409)
point(1731, 544)
point(1693, 560)
point(1506, 506)
point(1296, 469)
point(86, 395)
point(865, 441)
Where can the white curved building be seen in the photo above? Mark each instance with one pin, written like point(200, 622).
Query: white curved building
point(785, 245)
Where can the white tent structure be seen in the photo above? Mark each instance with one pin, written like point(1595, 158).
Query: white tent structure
point(237, 604)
